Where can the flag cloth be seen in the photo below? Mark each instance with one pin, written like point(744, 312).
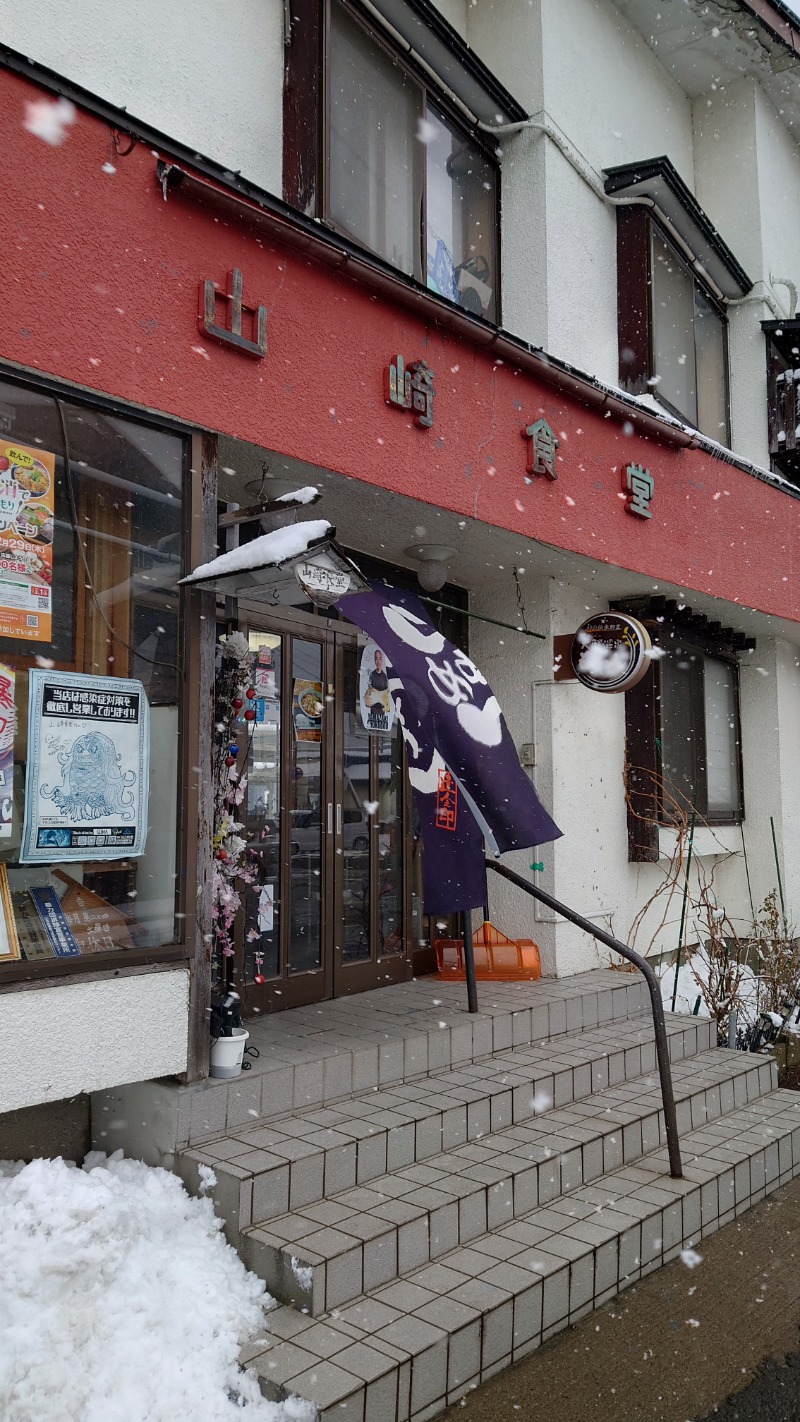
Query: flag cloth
point(463, 766)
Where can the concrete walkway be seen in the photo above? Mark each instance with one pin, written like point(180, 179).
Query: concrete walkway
point(675, 1346)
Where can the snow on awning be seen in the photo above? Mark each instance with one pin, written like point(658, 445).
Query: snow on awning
point(288, 566)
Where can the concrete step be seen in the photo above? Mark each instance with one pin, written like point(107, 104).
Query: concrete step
point(312, 1056)
point(324, 1255)
point(265, 1171)
point(410, 1348)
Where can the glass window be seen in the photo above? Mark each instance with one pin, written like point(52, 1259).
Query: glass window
point(699, 716)
point(689, 344)
point(95, 540)
point(402, 178)
point(375, 157)
point(460, 225)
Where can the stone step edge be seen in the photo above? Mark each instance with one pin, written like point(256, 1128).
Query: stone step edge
point(411, 1368)
point(272, 1185)
point(355, 1256)
point(213, 1107)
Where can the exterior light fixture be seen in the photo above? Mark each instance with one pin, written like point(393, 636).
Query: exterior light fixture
point(434, 564)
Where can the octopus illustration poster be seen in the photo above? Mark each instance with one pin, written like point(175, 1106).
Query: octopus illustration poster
point(27, 491)
point(88, 770)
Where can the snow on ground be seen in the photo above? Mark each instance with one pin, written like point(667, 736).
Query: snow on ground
point(122, 1302)
point(689, 989)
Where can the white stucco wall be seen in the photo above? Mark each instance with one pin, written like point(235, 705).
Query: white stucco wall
point(580, 744)
point(209, 76)
point(66, 1038)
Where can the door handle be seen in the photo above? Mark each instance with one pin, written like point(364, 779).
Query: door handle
point(338, 819)
point(330, 817)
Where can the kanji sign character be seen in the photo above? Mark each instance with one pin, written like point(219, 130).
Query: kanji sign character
point(639, 485)
point(542, 446)
point(410, 387)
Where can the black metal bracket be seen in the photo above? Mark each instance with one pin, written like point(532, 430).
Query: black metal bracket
point(659, 1027)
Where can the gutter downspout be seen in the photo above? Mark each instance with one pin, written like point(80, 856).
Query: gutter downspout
point(590, 178)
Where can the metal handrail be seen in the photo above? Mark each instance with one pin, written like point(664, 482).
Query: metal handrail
point(662, 1049)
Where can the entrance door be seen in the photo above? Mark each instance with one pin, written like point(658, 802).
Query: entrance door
point(324, 811)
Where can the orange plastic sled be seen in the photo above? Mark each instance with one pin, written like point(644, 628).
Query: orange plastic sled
point(498, 959)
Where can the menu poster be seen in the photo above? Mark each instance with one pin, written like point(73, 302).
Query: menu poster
point(6, 749)
point(27, 494)
point(307, 707)
point(88, 771)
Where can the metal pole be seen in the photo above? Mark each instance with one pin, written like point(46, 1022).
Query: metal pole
point(683, 911)
point(657, 1006)
point(778, 869)
point(469, 963)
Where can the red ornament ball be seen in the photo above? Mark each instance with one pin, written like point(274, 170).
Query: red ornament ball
point(249, 715)
point(237, 703)
point(259, 978)
point(230, 760)
point(251, 693)
point(222, 854)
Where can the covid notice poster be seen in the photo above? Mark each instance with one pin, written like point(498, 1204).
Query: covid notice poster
point(88, 771)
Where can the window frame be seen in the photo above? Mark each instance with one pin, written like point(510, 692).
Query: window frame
point(635, 318)
point(643, 734)
point(306, 132)
point(783, 410)
point(23, 973)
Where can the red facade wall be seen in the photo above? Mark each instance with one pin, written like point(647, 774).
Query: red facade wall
point(100, 282)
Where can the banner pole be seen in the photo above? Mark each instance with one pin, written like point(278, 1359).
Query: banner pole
point(469, 963)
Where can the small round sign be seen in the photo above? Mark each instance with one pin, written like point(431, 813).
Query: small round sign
point(610, 652)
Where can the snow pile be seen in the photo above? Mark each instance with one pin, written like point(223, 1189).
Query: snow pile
point(269, 550)
point(689, 988)
point(121, 1301)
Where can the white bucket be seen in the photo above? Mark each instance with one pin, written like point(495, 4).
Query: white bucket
point(227, 1053)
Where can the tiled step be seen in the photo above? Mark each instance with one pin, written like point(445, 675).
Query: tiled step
point(326, 1254)
point(265, 1171)
point(312, 1056)
point(410, 1348)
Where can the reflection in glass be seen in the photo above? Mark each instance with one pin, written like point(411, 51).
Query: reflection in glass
point(305, 808)
point(263, 815)
point(390, 843)
point(116, 543)
point(356, 822)
point(375, 156)
point(460, 216)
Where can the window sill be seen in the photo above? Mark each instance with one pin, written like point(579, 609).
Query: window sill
point(710, 841)
point(109, 965)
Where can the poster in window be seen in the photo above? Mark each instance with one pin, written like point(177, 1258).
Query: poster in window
point(375, 702)
point(88, 771)
point(27, 494)
point(6, 749)
point(307, 706)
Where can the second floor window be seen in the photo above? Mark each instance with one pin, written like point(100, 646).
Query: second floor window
point(394, 169)
point(672, 332)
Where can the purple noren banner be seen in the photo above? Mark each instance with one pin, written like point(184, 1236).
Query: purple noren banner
point(463, 766)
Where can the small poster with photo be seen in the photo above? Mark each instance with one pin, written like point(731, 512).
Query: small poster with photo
point(307, 705)
point(374, 699)
point(27, 493)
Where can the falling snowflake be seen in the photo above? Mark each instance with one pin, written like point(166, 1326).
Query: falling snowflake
point(49, 120)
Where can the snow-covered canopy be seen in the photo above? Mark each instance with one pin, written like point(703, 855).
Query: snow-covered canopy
point(268, 551)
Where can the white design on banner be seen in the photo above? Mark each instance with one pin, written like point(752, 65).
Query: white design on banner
point(482, 724)
point(427, 781)
point(406, 625)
